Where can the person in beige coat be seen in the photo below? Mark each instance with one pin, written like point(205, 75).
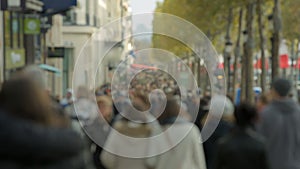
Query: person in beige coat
point(125, 147)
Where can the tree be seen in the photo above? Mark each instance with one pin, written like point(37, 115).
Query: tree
point(262, 44)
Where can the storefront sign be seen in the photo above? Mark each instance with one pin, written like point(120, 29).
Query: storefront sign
point(14, 58)
point(56, 52)
point(32, 26)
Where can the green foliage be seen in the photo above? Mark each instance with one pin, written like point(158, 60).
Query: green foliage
point(291, 19)
point(210, 16)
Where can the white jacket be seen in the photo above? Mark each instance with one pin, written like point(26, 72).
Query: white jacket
point(187, 153)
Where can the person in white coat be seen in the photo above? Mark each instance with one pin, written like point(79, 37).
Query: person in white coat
point(183, 138)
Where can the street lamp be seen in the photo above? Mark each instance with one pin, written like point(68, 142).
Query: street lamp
point(245, 36)
point(270, 23)
point(228, 49)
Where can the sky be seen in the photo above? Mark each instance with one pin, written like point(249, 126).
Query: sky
point(143, 6)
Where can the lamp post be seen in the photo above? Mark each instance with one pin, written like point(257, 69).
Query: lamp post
point(244, 67)
point(228, 49)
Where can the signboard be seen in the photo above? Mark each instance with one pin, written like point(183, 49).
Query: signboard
point(14, 58)
point(56, 52)
point(32, 26)
point(52, 7)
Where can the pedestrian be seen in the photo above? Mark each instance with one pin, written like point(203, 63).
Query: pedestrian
point(242, 147)
point(262, 101)
point(224, 127)
point(32, 134)
point(280, 126)
point(105, 106)
point(21, 96)
point(188, 152)
point(68, 99)
point(132, 124)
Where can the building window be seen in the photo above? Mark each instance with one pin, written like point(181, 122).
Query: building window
point(69, 18)
point(87, 15)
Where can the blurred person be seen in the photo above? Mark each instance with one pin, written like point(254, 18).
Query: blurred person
point(105, 106)
point(38, 76)
point(132, 124)
point(262, 101)
point(224, 127)
point(243, 147)
point(84, 108)
point(22, 97)
point(202, 112)
point(280, 126)
point(68, 99)
point(32, 133)
point(88, 123)
point(188, 153)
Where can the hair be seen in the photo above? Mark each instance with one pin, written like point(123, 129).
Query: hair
point(263, 98)
point(36, 74)
point(245, 114)
point(281, 86)
point(172, 110)
point(23, 97)
point(106, 100)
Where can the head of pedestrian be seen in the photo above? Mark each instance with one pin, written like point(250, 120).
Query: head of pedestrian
point(245, 115)
point(171, 112)
point(280, 88)
point(23, 96)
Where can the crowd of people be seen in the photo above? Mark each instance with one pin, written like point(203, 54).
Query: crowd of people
point(153, 125)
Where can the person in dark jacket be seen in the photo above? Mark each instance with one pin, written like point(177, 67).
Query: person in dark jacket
point(243, 148)
point(280, 125)
point(223, 128)
point(28, 145)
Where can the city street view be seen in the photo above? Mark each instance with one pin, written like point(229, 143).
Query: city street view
point(149, 84)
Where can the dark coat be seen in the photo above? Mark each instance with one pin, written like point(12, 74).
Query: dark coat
point(241, 149)
point(210, 145)
point(280, 126)
point(27, 145)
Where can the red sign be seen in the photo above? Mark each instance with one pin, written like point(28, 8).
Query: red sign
point(284, 61)
point(258, 64)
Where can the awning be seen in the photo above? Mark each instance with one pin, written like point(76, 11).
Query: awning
point(50, 68)
point(52, 7)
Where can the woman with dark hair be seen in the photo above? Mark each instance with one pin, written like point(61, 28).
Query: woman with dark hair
point(32, 134)
point(243, 147)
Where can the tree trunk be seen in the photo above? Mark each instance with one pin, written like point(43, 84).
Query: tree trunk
point(198, 71)
point(226, 54)
point(244, 75)
point(262, 46)
point(237, 53)
point(297, 70)
point(276, 39)
point(249, 53)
